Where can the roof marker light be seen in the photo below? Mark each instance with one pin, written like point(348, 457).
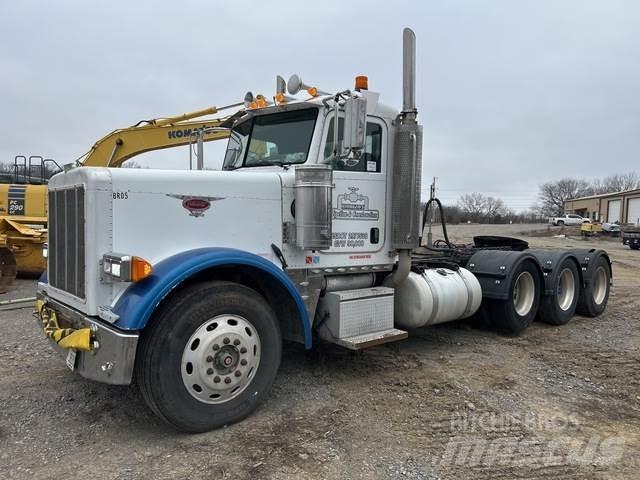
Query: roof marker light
point(362, 82)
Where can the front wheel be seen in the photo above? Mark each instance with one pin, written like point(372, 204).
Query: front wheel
point(560, 223)
point(210, 356)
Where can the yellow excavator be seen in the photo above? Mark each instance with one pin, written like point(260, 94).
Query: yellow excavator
point(23, 217)
point(23, 204)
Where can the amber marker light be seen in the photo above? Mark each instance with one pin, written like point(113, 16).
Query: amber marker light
point(261, 102)
point(362, 82)
point(140, 269)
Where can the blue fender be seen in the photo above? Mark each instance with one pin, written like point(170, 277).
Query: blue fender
point(138, 302)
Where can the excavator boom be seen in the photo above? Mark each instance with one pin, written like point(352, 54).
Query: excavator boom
point(120, 145)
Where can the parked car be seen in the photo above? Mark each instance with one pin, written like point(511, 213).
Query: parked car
point(612, 229)
point(569, 219)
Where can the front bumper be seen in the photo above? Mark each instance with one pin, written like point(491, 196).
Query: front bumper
point(113, 352)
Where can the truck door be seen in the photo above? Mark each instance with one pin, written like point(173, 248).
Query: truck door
point(359, 193)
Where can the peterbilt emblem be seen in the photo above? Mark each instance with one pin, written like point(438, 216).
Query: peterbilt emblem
point(194, 204)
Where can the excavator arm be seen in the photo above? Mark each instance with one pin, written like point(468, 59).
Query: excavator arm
point(120, 145)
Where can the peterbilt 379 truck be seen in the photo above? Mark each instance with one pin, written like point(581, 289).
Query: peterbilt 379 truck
point(187, 282)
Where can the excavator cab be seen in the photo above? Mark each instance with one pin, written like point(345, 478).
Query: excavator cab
point(36, 170)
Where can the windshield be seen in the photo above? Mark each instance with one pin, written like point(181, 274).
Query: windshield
point(276, 139)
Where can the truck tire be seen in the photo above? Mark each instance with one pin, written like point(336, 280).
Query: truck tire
point(634, 246)
point(560, 223)
point(210, 356)
point(559, 308)
point(593, 299)
point(516, 313)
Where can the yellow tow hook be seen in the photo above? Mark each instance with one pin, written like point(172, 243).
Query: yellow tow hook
point(67, 338)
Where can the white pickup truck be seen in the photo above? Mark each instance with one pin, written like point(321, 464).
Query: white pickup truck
point(569, 219)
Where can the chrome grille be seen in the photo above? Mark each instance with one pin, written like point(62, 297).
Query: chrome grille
point(66, 240)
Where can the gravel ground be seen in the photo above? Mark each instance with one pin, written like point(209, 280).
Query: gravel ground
point(451, 402)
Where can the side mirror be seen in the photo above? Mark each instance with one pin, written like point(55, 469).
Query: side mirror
point(355, 123)
point(281, 85)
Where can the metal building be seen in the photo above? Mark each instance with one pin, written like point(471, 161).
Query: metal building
point(620, 207)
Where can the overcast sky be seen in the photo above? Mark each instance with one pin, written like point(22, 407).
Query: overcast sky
point(511, 93)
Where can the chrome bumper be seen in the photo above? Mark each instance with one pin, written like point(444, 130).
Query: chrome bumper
point(114, 352)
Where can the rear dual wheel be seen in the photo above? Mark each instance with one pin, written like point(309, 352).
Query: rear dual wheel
point(595, 296)
point(559, 308)
point(516, 313)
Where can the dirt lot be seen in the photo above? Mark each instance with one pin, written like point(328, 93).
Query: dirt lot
point(452, 402)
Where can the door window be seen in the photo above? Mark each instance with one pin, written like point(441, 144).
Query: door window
point(371, 159)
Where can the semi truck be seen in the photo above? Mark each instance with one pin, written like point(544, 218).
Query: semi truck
point(186, 283)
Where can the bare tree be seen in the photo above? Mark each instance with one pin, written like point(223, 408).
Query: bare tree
point(481, 208)
point(452, 213)
point(495, 208)
point(553, 195)
point(617, 183)
point(472, 205)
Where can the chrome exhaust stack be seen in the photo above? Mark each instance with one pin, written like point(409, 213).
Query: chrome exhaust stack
point(409, 74)
point(407, 162)
point(407, 167)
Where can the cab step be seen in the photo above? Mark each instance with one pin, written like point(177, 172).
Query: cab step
point(358, 342)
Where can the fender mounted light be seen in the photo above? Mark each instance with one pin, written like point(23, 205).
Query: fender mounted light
point(125, 268)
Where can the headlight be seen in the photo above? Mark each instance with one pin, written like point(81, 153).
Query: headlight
point(125, 268)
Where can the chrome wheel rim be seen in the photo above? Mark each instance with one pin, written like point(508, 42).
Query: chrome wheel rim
point(220, 359)
point(566, 289)
point(524, 293)
point(599, 285)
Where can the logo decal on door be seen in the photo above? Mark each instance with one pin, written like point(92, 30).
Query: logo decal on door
point(354, 206)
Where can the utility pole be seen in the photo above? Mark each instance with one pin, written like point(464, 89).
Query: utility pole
point(432, 195)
